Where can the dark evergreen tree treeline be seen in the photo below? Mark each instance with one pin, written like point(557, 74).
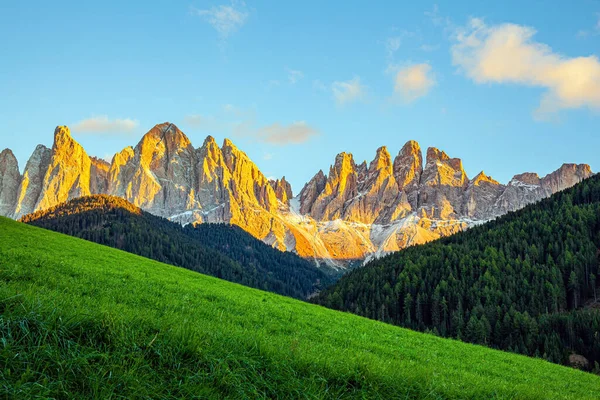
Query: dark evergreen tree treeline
point(526, 282)
point(219, 250)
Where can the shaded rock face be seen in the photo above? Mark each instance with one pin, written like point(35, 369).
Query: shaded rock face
point(10, 179)
point(310, 192)
point(32, 183)
point(356, 211)
point(99, 175)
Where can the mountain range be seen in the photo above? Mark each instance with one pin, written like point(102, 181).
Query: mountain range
point(355, 211)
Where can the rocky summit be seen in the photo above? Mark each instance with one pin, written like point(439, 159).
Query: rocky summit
point(356, 211)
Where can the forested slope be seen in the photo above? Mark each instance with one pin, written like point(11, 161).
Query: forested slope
point(219, 250)
point(526, 282)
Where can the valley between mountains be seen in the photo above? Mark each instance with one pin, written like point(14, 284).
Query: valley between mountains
point(354, 212)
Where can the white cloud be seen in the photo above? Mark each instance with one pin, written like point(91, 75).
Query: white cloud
point(507, 53)
point(413, 81)
point(267, 156)
point(347, 91)
point(294, 75)
point(102, 124)
point(226, 19)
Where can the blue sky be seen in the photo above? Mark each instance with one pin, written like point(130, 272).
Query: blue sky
point(508, 87)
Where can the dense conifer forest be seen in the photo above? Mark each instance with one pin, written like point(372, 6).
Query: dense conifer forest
point(219, 250)
point(526, 282)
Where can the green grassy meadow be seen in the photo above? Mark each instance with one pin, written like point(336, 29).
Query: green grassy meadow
point(80, 320)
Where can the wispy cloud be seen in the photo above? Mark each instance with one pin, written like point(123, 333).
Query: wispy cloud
point(429, 47)
point(103, 125)
point(507, 53)
point(281, 135)
point(198, 121)
point(276, 134)
point(241, 122)
point(392, 44)
point(346, 92)
point(225, 19)
point(595, 31)
point(294, 75)
point(413, 81)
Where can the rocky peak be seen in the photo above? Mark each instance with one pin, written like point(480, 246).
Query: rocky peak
point(382, 161)
point(378, 195)
point(361, 171)
point(311, 191)
point(283, 190)
point(482, 178)
point(566, 176)
point(528, 178)
point(340, 173)
point(442, 186)
point(121, 172)
point(164, 138)
point(10, 179)
point(62, 137)
point(481, 196)
point(33, 180)
point(440, 169)
point(408, 166)
point(68, 174)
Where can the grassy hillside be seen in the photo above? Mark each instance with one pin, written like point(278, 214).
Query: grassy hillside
point(219, 250)
point(526, 282)
point(80, 320)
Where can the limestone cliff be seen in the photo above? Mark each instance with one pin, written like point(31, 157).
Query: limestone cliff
point(68, 175)
point(10, 179)
point(32, 183)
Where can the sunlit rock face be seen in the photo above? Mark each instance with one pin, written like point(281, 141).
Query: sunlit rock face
point(283, 190)
point(355, 212)
point(68, 175)
point(442, 186)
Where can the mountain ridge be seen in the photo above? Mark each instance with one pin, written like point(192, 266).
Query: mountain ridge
point(356, 211)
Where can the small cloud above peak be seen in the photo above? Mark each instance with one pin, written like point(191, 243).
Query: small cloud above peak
point(413, 81)
point(103, 125)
